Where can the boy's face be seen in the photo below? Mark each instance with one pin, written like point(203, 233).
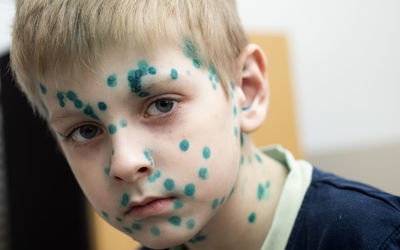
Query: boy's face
point(152, 140)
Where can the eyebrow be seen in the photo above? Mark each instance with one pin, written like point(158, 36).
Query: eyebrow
point(60, 115)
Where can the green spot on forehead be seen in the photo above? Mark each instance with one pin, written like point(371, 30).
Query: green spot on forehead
point(252, 217)
point(124, 200)
point(143, 66)
point(174, 74)
point(88, 110)
point(184, 145)
point(214, 203)
point(191, 52)
point(43, 88)
point(169, 184)
point(112, 129)
point(189, 190)
point(134, 80)
point(152, 70)
point(60, 97)
point(155, 231)
point(112, 80)
point(206, 152)
point(190, 224)
point(102, 106)
point(144, 94)
point(78, 103)
point(175, 220)
point(71, 95)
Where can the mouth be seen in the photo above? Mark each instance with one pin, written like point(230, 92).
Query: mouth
point(148, 207)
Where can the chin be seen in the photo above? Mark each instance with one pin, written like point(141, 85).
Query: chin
point(165, 242)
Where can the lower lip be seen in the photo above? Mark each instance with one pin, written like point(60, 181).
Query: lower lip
point(152, 208)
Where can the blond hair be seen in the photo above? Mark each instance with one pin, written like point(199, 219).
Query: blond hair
point(67, 34)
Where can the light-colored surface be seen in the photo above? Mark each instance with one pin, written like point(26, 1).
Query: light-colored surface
point(378, 166)
point(345, 67)
point(7, 10)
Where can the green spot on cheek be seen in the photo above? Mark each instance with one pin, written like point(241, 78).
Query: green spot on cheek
point(175, 220)
point(214, 203)
point(206, 152)
point(112, 129)
point(155, 231)
point(124, 200)
point(203, 173)
point(222, 200)
point(189, 190)
point(174, 74)
point(190, 224)
point(233, 190)
point(235, 131)
point(102, 106)
point(241, 160)
point(107, 171)
point(154, 176)
point(234, 111)
point(241, 139)
point(112, 80)
point(178, 204)
point(260, 192)
point(169, 184)
point(128, 230)
point(118, 219)
point(43, 88)
point(184, 145)
point(123, 123)
point(252, 217)
point(105, 215)
point(136, 226)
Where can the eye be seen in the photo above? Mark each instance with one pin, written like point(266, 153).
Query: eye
point(85, 133)
point(161, 106)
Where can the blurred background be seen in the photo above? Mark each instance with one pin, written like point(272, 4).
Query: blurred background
point(335, 82)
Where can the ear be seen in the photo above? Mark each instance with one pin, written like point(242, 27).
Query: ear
point(252, 87)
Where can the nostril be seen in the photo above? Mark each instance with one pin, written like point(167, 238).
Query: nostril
point(142, 170)
point(117, 178)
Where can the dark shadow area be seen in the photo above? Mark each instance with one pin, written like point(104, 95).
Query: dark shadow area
point(46, 205)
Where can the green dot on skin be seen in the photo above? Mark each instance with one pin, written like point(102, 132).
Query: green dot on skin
point(260, 192)
point(175, 220)
point(184, 145)
point(128, 230)
point(112, 129)
point(59, 133)
point(178, 204)
point(152, 70)
point(235, 131)
point(241, 160)
point(169, 184)
point(190, 224)
point(189, 190)
point(78, 104)
point(252, 217)
point(174, 74)
point(118, 219)
point(234, 111)
point(206, 152)
point(124, 200)
point(112, 80)
point(107, 171)
point(267, 184)
point(203, 173)
point(136, 226)
point(143, 66)
point(105, 215)
point(214, 203)
point(222, 200)
point(123, 123)
point(154, 176)
point(155, 231)
point(102, 106)
point(144, 94)
point(71, 95)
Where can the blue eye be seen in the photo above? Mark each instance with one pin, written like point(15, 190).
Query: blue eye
point(161, 106)
point(85, 133)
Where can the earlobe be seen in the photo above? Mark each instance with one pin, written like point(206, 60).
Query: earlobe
point(252, 87)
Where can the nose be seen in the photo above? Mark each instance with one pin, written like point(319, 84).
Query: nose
point(130, 165)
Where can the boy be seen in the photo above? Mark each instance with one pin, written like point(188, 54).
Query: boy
point(151, 103)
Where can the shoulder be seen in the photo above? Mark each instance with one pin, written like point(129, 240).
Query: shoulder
point(340, 214)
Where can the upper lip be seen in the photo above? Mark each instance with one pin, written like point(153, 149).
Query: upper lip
point(143, 202)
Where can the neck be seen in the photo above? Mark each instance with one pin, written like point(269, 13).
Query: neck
point(245, 219)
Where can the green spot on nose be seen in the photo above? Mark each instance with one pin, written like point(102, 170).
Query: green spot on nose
point(174, 74)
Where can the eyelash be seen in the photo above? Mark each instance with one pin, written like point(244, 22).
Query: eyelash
point(162, 117)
